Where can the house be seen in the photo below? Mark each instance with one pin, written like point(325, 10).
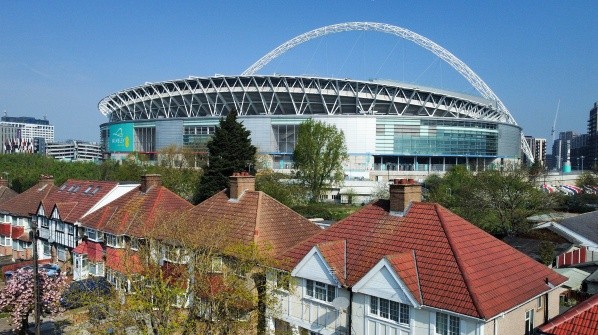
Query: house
point(58, 215)
point(15, 219)
point(579, 320)
point(401, 266)
point(243, 215)
point(5, 191)
point(114, 232)
point(582, 230)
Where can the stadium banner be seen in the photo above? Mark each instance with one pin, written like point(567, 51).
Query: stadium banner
point(121, 137)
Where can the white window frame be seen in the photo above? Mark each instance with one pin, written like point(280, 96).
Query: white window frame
point(17, 245)
point(529, 322)
point(447, 324)
point(45, 223)
point(97, 235)
point(61, 253)
point(114, 240)
point(96, 268)
point(5, 241)
point(320, 291)
point(386, 313)
point(59, 226)
point(46, 249)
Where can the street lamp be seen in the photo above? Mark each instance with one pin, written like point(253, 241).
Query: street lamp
point(582, 164)
point(34, 234)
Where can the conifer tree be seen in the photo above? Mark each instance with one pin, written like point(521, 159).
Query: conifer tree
point(229, 150)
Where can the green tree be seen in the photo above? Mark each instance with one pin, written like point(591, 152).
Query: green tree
point(319, 154)
point(280, 187)
point(229, 150)
point(496, 201)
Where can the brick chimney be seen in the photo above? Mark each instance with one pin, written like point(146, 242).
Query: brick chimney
point(3, 182)
point(402, 193)
point(150, 180)
point(239, 183)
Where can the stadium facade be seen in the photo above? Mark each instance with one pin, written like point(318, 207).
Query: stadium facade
point(387, 125)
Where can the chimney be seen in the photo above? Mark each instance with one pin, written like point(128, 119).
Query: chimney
point(239, 183)
point(46, 179)
point(3, 182)
point(402, 193)
point(150, 180)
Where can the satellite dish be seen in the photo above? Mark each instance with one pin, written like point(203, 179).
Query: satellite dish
point(340, 303)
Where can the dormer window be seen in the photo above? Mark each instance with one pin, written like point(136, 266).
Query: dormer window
point(320, 291)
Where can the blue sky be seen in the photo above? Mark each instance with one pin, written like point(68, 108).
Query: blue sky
point(60, 58)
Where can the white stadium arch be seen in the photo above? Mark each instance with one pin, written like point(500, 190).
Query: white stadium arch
point(409, 35)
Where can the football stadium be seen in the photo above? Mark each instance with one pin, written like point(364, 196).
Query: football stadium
point(388, 125)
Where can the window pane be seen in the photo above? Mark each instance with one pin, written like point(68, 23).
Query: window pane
point(384, 308)
point(310, 288)
point(331, 293)
point(404, 313)
point(394, 311)
point(373, 305)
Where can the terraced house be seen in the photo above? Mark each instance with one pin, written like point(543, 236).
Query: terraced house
point(407, 267)
point(15, 219)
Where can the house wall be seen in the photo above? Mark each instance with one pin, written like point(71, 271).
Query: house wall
point(298, 309)
point(513, 323)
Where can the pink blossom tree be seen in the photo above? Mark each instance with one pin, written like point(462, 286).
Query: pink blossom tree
point(18, 296)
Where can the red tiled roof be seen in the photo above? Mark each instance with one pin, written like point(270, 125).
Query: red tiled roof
point(134, 213)
point(27, 202)
point(334, 254)
point(124, 261)
point(6, 193)
point(75, 197)
point(93, 250)
point(460, 267)
point(253, 218)
point(579, 320)
point(405, 266)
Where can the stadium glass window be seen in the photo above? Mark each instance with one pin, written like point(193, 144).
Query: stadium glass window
point(320, 291)
point(447, 324)
point(390, 310)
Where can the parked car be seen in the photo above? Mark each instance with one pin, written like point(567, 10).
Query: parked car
point(51, 270)
point(83, 292)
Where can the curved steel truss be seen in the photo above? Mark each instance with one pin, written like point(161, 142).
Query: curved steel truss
point(281, 95)
point(422, 41)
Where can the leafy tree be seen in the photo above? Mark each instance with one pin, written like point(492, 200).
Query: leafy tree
point(546, 251)
point(205, 284)
point(18, 296)
point(229, 150)
point(280, 187)
point(587, 179)
point(496, 201)
point(319, 155)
